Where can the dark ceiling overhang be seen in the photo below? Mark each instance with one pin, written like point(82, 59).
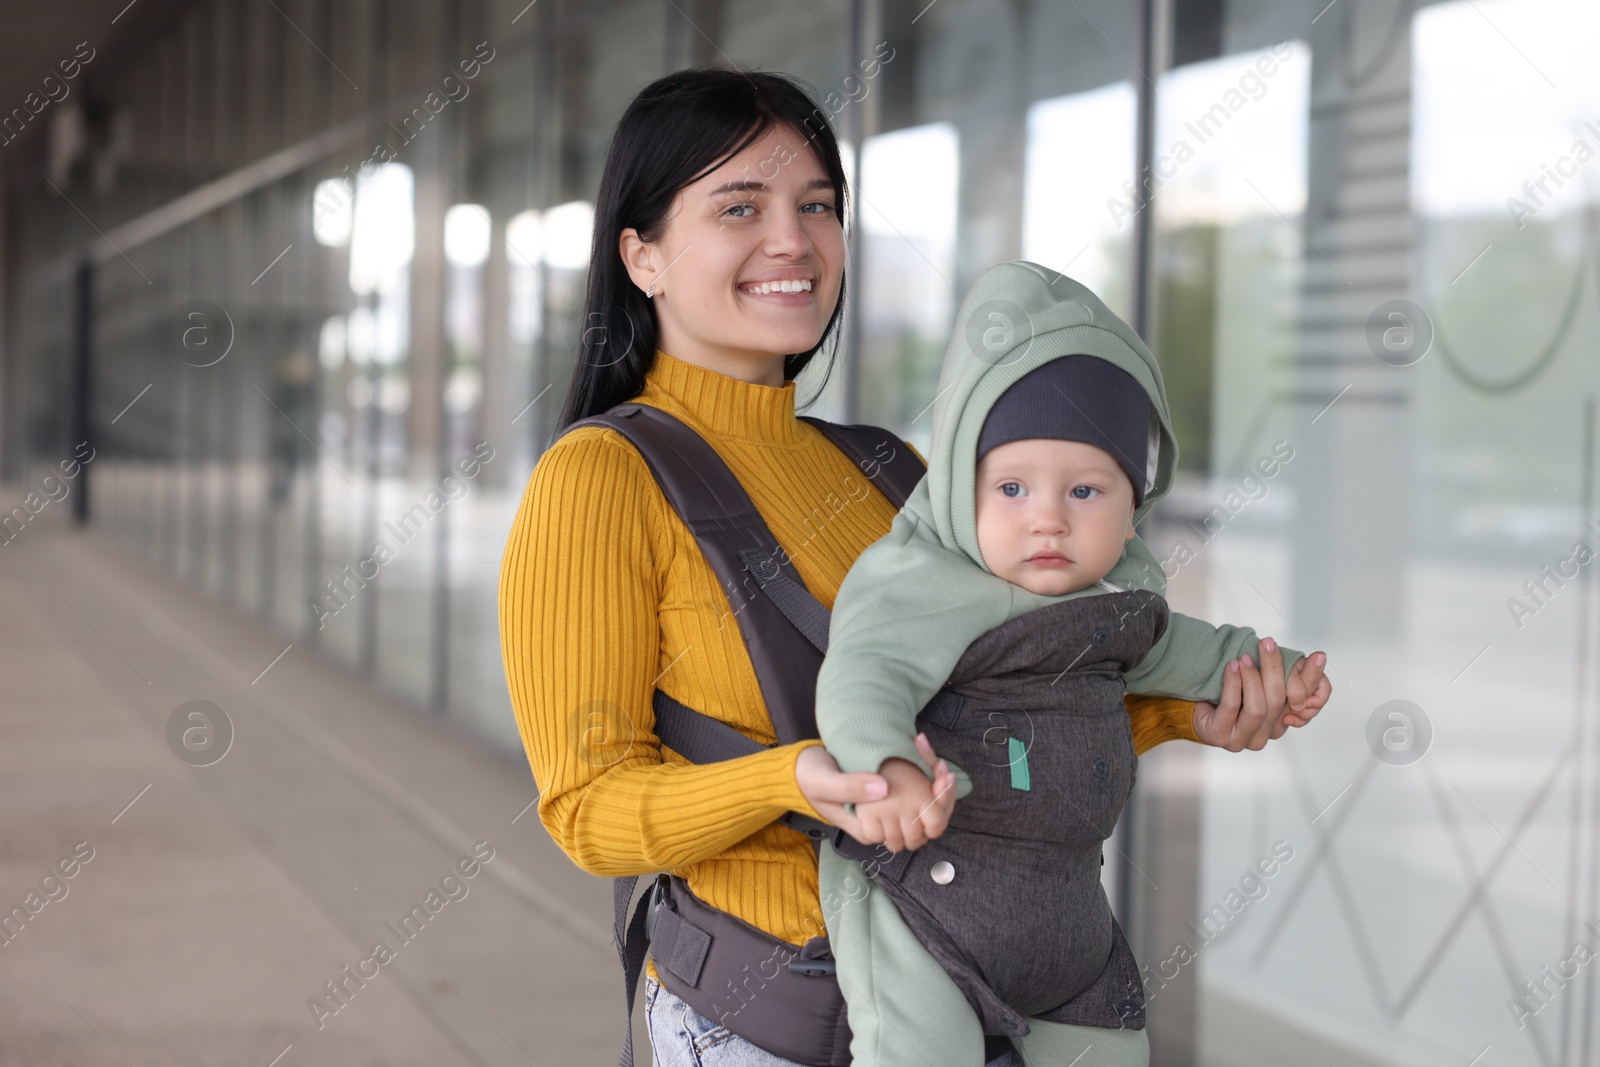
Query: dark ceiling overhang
point(39, 37)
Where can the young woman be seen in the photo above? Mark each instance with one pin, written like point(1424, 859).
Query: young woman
point(718, 273)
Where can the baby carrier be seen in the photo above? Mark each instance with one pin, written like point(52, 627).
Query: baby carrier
point(702, 953)
point(1033, 711)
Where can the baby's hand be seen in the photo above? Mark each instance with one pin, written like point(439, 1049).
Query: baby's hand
point(908, 817)
point(1307, 689)
point(1260, 705)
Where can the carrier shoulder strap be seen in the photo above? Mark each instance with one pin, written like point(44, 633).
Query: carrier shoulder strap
point(879, 454)
point(726, 526)
point(747, 559)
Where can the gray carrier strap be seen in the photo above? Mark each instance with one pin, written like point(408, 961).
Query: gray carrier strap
point(883, 458)
point(701, 739)
point(698, 738)
point(792, 598)
point(631, 942)
point(708, 957)
point(719, 514)
point(785, 632)
point(895, 474)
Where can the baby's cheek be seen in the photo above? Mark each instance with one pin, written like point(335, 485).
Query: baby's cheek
point(990, 527)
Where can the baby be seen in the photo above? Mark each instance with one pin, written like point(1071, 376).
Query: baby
point(1005, 614)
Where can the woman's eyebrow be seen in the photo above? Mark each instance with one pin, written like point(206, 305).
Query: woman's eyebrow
point(744, 185)
point(755, 185)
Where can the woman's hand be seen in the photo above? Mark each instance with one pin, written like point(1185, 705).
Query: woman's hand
point(1255, 705)
point(828, 789)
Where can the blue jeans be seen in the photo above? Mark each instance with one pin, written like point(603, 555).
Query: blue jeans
point(682, 1037)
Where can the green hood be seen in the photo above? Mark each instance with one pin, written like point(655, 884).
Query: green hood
point(1018, 317)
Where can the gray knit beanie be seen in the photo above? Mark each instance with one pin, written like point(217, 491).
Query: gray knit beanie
point(1080, 398)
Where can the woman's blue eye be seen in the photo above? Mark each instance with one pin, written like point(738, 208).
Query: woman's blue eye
point(826, 208)
point(736, 207)
point(1075, 491)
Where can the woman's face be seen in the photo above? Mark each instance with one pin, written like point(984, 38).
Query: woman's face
point(749, 263)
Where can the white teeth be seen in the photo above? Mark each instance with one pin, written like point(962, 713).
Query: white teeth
point(798, 285)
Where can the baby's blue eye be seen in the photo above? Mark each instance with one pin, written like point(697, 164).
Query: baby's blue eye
point(1076, 495)
point(1006, 487)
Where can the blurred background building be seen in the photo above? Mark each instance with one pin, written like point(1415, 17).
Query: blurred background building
point(287, 265)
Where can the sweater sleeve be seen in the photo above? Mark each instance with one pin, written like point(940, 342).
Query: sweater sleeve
point(1158, 719)
point(580, 642)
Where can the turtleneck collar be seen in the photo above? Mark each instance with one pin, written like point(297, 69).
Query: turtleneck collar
point(719, 405)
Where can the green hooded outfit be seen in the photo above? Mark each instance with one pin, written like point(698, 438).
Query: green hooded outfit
point(1000, 925)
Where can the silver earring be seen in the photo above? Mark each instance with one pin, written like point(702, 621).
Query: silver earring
point(649, 294)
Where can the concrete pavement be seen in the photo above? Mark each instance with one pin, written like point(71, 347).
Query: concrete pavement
point(219, 904)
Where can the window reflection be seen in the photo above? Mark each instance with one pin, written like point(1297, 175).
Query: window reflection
point(524, 250)
point(566, 234)
point(908, 235)
point(1230, 137)
point(332, 212)
point(466, 235)
point(1080, 164)
point(1504, 195)
point(467, 230)
point(566, 231)
point(1478, 147)
point(382, 230)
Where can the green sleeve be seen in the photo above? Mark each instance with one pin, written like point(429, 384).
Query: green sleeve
point(1188, 659)
point(889, 652)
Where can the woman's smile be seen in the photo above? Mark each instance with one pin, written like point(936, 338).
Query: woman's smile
point(786, 288)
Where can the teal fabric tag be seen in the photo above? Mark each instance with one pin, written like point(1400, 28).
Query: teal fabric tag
point(1019, 763)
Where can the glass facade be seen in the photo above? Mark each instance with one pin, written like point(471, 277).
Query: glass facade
point(312, 287)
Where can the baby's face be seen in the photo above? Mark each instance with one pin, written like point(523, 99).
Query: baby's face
point(1052, 515)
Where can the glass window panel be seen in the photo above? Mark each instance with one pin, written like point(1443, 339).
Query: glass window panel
point(1061, 180)
point(907, 239)
point(1033, 101)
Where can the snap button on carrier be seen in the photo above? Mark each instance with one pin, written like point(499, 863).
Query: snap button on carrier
point(1100, 636)
point(1099, 768)
point(943, 872)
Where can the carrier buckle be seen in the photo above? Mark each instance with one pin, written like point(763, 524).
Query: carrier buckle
point(658, 897)
point(815, 960)
point(813, 968)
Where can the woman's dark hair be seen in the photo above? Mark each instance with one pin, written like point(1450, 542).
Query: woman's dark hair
point(678, 129)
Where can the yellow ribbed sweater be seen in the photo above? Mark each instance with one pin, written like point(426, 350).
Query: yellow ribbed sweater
point(604, 596)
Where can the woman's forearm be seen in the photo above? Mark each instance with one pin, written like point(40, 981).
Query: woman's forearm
point(648, 816)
